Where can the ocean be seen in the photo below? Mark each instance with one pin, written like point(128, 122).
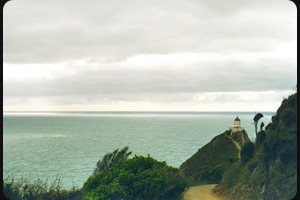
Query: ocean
point(68, 145)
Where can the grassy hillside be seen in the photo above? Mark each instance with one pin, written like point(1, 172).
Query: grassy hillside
point(271, 172)
point(208, 164)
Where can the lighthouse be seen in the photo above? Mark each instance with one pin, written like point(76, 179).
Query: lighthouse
point(236, 125)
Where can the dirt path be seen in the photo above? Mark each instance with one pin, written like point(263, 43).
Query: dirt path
point(202, 192)
point(237, 145)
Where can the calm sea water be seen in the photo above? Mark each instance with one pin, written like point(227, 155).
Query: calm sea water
point(68, 144)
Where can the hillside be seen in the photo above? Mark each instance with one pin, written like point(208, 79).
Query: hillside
point(271, 172)
point(208, 164)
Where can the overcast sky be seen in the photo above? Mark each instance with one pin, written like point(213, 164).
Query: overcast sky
point(148, 55)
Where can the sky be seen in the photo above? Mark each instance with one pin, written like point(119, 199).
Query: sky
point(141, 55)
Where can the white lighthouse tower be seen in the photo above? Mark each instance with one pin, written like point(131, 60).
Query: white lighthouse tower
point(236, 125)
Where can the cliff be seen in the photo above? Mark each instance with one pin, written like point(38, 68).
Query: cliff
point(271, 172)
point(208, 164)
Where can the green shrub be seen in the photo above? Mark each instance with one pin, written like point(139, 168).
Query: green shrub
point(11, 188)
point(270, 127)
point(288, 155)
point(275, 119)
point(136, 178)
point(233, 159)
point(292, 101)
point(231, 175)
point(261, 136)
point(23, 189)
point(216, 174)
point(251, 166)
point(288, 117)
point(227, 132)
point(247, 152)
point(267, 155)
point(110, 159)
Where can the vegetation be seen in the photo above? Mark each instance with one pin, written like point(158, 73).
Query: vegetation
point(115, 177)
point(268, 167)
point(208, 165)
point(261, 136)
point(136, 178)
point(25, 190)
point(247, 152)
point(111, 159)
point(256, 118)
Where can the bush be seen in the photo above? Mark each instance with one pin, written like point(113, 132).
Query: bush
point(216, 174)
point(261, 136)
point(233, 160)
point(110, 159)
point(292, 101)
point(247, 152)
point(228, 132)
point(136, 178)
point(231, 175)
point(288, 155)
point(267, 155)
point(12, 189)
point(288, 117)
point(251, 166)
point(23, 189)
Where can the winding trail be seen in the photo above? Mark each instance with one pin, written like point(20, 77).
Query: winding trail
point(202, 192)
point(237, 145)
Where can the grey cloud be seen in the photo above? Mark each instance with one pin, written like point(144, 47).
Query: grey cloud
point(220, 76)
point(245, 42)
point(39, 32)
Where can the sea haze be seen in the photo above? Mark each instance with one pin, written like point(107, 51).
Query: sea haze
point(68, 144)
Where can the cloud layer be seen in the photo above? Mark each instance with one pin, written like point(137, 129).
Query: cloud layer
point(102, 53)
point(54, 31)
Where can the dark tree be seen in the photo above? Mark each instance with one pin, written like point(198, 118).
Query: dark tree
point(262, 126)
point(256, 118)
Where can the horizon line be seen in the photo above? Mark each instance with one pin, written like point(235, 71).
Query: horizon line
point(133, 111)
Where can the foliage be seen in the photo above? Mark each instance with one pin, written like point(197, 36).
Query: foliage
point(122, 178)
point(261, 136)
point(268, 155)
point(23, 189)
point(110, 159)
point(288, 117)
point(271, 172)
point(247, 151)
point(231, 175)
point(288, 155)
point(209, 163)
point(233, 159)
point(262, 126)
point(256, 118)
point(136, 178)
point(251, 166)
point(215, 174)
